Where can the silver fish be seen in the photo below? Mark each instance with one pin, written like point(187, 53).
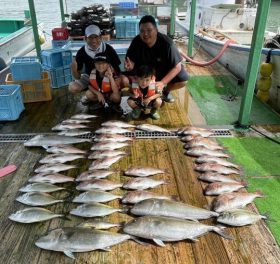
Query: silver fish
point(143, 171)
point(108, 145)
point(160, 229)
point(239, 217)
point(172, 209)
point(138, 196)
point(152, 128)
point(75, 121)
point(41, 187)
point(33, 215)
point(217, 188)
point(50, 178)
point(94, 174)
point(228, 201)
point(209, 159)
point(53, 168)
point(41, 140)
point(74, 132)
point(93, 210)
point(143, 183)
point(104, 163)
point(99, 224)
point(61, 127)
point(37, 199)
point(116, 123)
point(100, 184)
point(200, 151)
point(112, 130)
point(215, 177)
point(216, 168)
point(111, 138)
point(58, 149)
point(83, 116)
point(189, 138)
point(60, 158)
point(203, 132)
point(100, 154)
point(95, 196)
point(79, 239)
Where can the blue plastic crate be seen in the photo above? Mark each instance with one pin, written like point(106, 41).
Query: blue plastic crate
point(60, 76)
point(127, 26)
point(127, 4)
point(11, 103)
point(26, 68)
point(57, 44)
point(54, 58)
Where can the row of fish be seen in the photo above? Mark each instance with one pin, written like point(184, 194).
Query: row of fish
point(214, 168)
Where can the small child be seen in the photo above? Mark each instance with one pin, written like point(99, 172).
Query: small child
point(145, 94)
point(103, 87)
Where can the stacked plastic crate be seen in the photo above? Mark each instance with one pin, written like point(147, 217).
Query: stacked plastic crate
point(60, 37)
point(11, 103)
point(35, 83)
point(127, 26)
point(57, 63)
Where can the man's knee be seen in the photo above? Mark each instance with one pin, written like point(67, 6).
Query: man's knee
point(74, 87)
point(177, 85)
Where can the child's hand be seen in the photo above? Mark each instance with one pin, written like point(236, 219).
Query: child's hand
point(109, 72)
point(101, 98)
point(146, 101)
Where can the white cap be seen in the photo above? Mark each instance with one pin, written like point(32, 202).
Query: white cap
point(92, 30)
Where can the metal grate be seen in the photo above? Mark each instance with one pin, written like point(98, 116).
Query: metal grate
point(135, 134)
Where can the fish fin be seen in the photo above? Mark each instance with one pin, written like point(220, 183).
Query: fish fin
point(159, 242)
point(245, 184)
point(126, 208)
point(219, 230)
point(45, 146)
point(139, 241)
point(193, 239)
point(107, 249)
point(69, 254)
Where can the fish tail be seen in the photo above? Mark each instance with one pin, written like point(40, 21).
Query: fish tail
point(219, 230)
point(166, 181)
point(244, 183)
point(259, 193)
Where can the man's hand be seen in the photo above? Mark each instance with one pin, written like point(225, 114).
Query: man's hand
point(160, 85)
point(146, 101)
point(128, 64)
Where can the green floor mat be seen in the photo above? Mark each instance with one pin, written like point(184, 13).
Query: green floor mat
point(260, 159)
point(207, 92)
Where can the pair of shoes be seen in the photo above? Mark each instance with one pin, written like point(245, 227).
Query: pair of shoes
point(135, 114)
point(154, 114)
point(117, 108)
point(167, 97)
point(85, 101)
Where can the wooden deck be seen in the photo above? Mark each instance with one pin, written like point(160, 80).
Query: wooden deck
point(253, 244)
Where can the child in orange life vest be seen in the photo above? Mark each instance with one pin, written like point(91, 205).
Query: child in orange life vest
point(144, 93)
point(103, 87)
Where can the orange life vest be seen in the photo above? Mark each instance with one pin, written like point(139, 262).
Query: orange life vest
point(105, 86)
point(137, 91)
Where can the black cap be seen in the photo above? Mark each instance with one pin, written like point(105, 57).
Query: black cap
point(101, 57)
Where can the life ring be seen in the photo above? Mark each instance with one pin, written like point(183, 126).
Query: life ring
point(215, 34)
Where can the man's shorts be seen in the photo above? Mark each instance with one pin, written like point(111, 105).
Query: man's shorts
point(83, 81)
point(182, 76)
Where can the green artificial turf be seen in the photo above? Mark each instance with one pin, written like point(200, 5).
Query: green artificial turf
point(260, 157)
point(207, 92)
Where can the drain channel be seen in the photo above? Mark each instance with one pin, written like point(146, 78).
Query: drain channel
point(135, 134)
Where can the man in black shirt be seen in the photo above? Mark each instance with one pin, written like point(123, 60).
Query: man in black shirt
point(83, 63)
point(158, 51)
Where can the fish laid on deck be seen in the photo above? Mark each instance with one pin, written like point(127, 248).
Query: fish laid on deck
point(108, 145)
point(37, 199)
point(143, 171)
point(53, 168)
point(33, 215)
point(228, 201)
point(62, 127)
point(95, 196)
point(143, 183)
point(60, 158)
point(99, 224)
point(201, 151)
point(111, 138)
point(83, 116)
point(100, 184)
point(205, 167)
point(42, 140)
point(152, 128)
point(239, 217)
point(216, 177)
point(217, 188)
point(100, 154)
point(209, 159)
point(112, 130)
point(93, 174)
point(197, 131)
point(93, 210)
point(138, 196)
point(159, 207)
point(73, 132)
point(51, 178)
point(41, 187)
point(160, 229)
point(78, 239)
point(116, 123)
point(104, 163)
point(57, 149)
